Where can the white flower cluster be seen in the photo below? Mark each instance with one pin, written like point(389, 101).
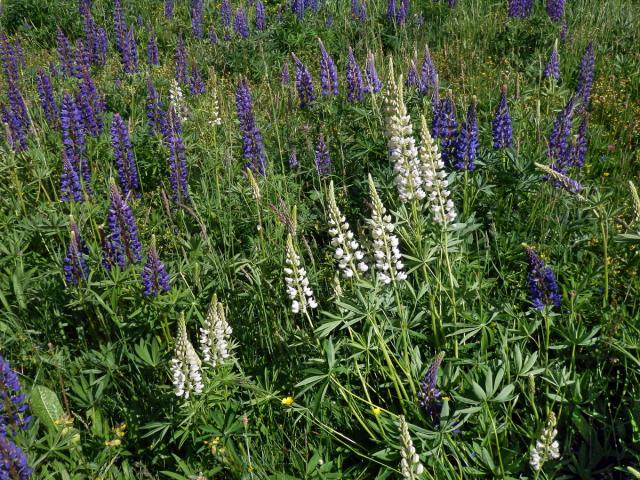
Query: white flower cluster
point(546, 446)
point(185, 365)
point(385, 244)
point(400, 142)
point(298, 289)
point(410, 465)
point(214, 337)
point(435, 178)
point(347, 249)
point(216, 119)
point(176, 101)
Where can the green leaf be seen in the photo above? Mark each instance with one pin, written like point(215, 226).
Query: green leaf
point(46, 406)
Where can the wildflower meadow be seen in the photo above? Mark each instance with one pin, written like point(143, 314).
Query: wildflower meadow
point(319, 239)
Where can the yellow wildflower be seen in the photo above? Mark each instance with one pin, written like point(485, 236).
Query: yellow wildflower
point(376, 411)
point(287, 401)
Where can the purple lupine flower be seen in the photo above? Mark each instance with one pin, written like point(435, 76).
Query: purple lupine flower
point(391, 10)
point(467, 141)
point(84, 7)
point(123, 240)
point(297, 6)
point(579, 148)
point(123, 156)
point(323, 161)
point(559, 151)
point(213, 36)
point(9, 59)
point(120, 27)
point(197, 17)
point(445, 127)
point(413, 80)
point(181, 62)
point(403, 12)
point(65, 54)
point(501, 125)
point(196, 84)
point(555, 9)
point(130, 54)
point(90, 34)
point(73, 139)
point(47, 100)
point(374, 84)
point(585, 76)
point(564, 30)
point(284, 74)
point(70, 186)
point(359, 10)
point(75, 266)
point(16, 130)
point(328, 72)
point(168, 9)
point(102, 46)
point(155, 278)
point(225, 16)
point(83, 60)
point(304, 84)
point(90, 110)
point(355, 86)
point(13, 461)
point(252, 146)
point(428, 73)
point(553, 68)
point(155, 109)
point(543, 287)
point(152, 49)
point(13, 406)
point(178, 172)
point(261, 22)
point(520, 8)
point(53, 70)
point(430, 395)
point(240, 23)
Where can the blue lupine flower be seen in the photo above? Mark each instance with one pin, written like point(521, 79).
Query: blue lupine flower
point(120, 27)
point(47, 100)
point(359, 10)
point(16, 131)
point(168, 8)
point(391, 10)
point(261, 22)
point(9, 59)
point(467, 141)
point(91, 104)
point(155, 109)
point(445, 127)
point(585, 76)
point(564, 30)
point(252, 145)
point(178, 172)
point(328, 72)
point(152, 49)
point(374, 84)
point(75, 266)
point(297, 6)
point(123, 156)
point(555, 9)
point(197, 17)
point(501, 125)
point(181, 61)
point(130, 53)
point(559, 151)
point(70, 186)
point(196, 84)
point(13, 404)
point(579, 148)
point(323, 160)
point(225, 13)
point(73, 139)
point(355, 86)
point(543, 287)
point(123, 243)
point(155, 278)
point(65, 54)
point(102, 46)
point(83, 60)
point(553, 69)
point(520, 8)
point(413, 80)
point(430, 395)
point(428, 73)
point(240, 23)
point(403, 12)
point(304, 84)
point(13, 461)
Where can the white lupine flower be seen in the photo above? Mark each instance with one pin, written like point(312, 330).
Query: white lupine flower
point(347, 250)
point(434, 179)
point(216, 119)
point(185, 365)
point(400, 142)
point(547, 447)
point(410, 465)
point(295, 277)
point(176, 101)
point(214, 337)
point(385, 244)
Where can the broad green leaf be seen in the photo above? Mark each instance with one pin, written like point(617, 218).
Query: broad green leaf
point(46, 406)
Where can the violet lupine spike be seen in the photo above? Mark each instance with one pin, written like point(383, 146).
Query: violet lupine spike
point(555, 9)
point(304, 84)
point(501, 125)
point(152, 49)
point(428, 73)
point(13, 406)
point(585, 76)
point(285, 77)
point(252, 145)
point(92, 105)
point(9, 59)
point(155, 278)
point(261, 21)
point(102, 47)
point(13, 461)
point(355, 85)
point(70, 186)
point(552, 70)
point(430, 395)
point(47, 100)
point(467, 142)
point(559, 151)
point(322, 158)
point(130, 54)
point(123, 230)
point(225, 16)
point(17, 118)
point(168, 9)
point(403, 12)
point(374, 84)
point(445, 127)
point(391, 10)
point(178, 170)
point(53, 70)
point(359, 10)
point(90, 34)
point(119, 26)
point(213, 36)
point(181, 61)
point(155, 109)
point(413, 80)
point(241, 23)
point(298, 7)
point(73, 139)
point(75, 266)
point(543, 287)
point(16, 131)
point(197, 17)
point(519, 8)
point(123, 156)
point(579, 148)
point(83, 60)
point(564, 30)
point(328, 72)
point(65, 54)
point(196, 84)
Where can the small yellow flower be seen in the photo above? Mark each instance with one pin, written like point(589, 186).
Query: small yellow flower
point(113, 443)
point(287, 401)
point(376, 411)
point(605, 174)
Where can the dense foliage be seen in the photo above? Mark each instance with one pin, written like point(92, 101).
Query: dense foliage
point(319, 239)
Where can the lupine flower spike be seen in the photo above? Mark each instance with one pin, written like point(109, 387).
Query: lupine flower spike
point(215, 336)
point(555, 9)
point(304, 84)
point(467, 141)
point(178, 168)
point(323, 160)
point(295, 276)
point(430, 395)
point(355, 86)
point(122, 245)
point(374, 85)
point(347, 249)
point(176, 101)
point(410, 465)
point(13, 403)
point(123, 155)
point(543, 287)
point(502, 130)
point(547, 447)
point(585, 76)
point(386, 252)
point(252, 145)
point(75, 267)
point(328, 72)
point(400, 142)
point(155, 278)
point(445, 127)
point(552, 70)
point(434, 178)
point(185, 365)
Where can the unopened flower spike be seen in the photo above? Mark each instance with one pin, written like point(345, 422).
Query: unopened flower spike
point(410, 465)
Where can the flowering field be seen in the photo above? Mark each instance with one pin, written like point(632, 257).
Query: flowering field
point(319, 239)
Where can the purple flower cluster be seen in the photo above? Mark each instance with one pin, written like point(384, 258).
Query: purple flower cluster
point(553, 68)
point(16, 118)
point(323, 160)
point(355, 85)
point(119, 26)
point(155, 278)
point(75, 266)
point(252, 145)
point(585, 76)
point(543, 287)
point(413, 80)
point(241, 23)
point(197, 17)
point(559, 150)
point(261, 22)
point(13, 461)
point(196, 84)
point(73, 139)
point(298, 8)
point(156, 119)
point(430, 396)
point(168, 9)
point(428, 74)
point(152, 49)
point(501, 126)
point(178, 172)
point(467, 142)
point(398, 13)
point(10, 58)
point(359, 10)
point(91, 104)
point(122, 245)
point(445, 127)
point(328, 72)
point(123, 156)
point(374, 84)
point(304, 84)
point(65, 54)
point(181, 61)
point(555, 9)
point(520, 8)
point(285, 77)
point(213, 36)
point(130, 53)
point(579, 148)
